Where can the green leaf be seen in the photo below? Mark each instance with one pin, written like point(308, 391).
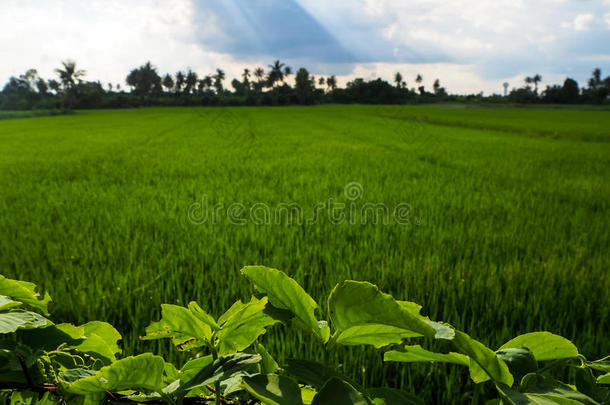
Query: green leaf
point(286, 293)
point(31, 398)
point(24, 292)
point(604, 379)
point(414, 354)
point(544, 346)
point(356, 303)
point(517, 398)
point(185, 329)
point(202, 315)
point(391, 396)
point(535, 384)
point(105, 331)
point(143, 372)
point(519, 361)
point(243, 326)
point(273, 389)
point(484, 363)
point(18, 319)
point(51, 337)
point(374, 334)
point(338, 392)
point(75, 374)
point(268, 363)
point(221, 369)
point(7, 303)
point(100, 341)
point(310, 372)
point(192, 367)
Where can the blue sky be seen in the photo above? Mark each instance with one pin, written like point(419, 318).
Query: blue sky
point(471, 45)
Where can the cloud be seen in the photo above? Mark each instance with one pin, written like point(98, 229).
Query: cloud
point(471, 45)
point(582, 22)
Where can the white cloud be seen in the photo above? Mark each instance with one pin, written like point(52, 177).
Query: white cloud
point(582, 22)
point(463, 42)
point(107, 38)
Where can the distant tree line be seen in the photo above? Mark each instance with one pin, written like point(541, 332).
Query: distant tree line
point(271, 86)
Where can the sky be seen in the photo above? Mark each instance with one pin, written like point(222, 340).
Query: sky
point(470, 45)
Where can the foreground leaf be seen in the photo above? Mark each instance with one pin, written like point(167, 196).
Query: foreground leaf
point(17, 319)
point(143, 372)
point(544, 346)
point(374, 334)
point(184, 328)
point(415, 354)
point(25, 292)
point(244, 326)
point(221, 369)
point(338, 392)
point(285, 293)
point(273, 389)
point(310, 372)
point(355, 303)
point(391, 396)
point(484, 363)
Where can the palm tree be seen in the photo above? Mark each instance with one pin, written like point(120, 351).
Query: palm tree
point(536, 79)
point(69, 74)
point(331, 82)
point(321, 81)
point(218, 78)
point(287, 71)
point(246, 78)
point(398, 80)
point(276, 74)
point(180, 81)
point(419, 79)
point(191, 81)
point(207, 81)
point(259, 73)
point(436, 86)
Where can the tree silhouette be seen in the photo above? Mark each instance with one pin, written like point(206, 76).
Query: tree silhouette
point(69, 74)
point(180, 81)
point(536, 79)
point(144, 80)
point(321, 81)
point(331, 82)
point(419, 79)
point(398, 80)
point(68, 77)
point(304, 87)
point(246, 78)
point(259, 73)
point(218, 78)
point(207, 81)
point(168, 82)
point(276, 74)
point(190, 81)
point(287, 71)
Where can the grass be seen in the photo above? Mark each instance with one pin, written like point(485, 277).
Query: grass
point(508, 225)
point(10, 114)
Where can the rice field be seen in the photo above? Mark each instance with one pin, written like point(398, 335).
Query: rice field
point(495, 220)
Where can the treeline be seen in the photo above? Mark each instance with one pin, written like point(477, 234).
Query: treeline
point(146, 87)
